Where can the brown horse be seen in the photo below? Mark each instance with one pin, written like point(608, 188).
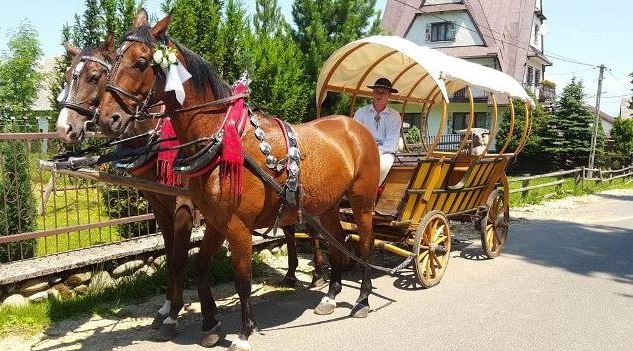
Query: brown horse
point(339, 157)
point(85, 81)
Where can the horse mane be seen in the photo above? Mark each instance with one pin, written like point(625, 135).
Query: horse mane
point(202, 72)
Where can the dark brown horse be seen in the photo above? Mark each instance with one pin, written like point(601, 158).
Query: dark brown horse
point(339, 157)
point(85, 81)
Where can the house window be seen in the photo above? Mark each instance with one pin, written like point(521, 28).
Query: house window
point(460, 121)
point(537, 34)
point(441, 31)
point(530, 76)
point(537, 77)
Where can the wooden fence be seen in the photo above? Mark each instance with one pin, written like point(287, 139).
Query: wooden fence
point(580, 175)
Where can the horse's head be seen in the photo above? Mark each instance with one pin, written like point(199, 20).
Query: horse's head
point(134, 83)
point(84, 84)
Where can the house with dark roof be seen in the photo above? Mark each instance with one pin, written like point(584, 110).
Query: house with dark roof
point(503, 34)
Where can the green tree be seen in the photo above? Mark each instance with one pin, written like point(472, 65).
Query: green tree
point(18, 207)
point(568, 136)
point(19, 78)
point(324, 26)
point(534, 156)
point(233, 38)
point(622, 134)
point(196, 24)
point(89, 29)
point(278, 84)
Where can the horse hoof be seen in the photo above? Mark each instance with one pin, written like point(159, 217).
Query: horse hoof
point(359, 311)
point(158, 321)
point(168, 331)
point(288, 282)
point(318, 282)
point(326, 306)
point(240, 345)
point(211, 337)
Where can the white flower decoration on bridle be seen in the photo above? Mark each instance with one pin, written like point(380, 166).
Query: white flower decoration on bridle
point(165, 56)
point(177, 74)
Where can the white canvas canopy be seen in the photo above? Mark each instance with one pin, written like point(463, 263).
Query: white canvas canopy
point(419, 73)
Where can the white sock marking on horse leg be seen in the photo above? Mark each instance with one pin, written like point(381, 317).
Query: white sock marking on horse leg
point(168, 320)
point(242, 344)
point(165, 309)
point(327, 300)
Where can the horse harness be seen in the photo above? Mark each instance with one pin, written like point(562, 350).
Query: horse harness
point(67, 95)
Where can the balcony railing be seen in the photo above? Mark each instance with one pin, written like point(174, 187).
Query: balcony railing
point(546, 94)
point(462, 94)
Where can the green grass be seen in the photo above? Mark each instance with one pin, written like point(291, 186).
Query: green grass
point(36, 317)
point(569, 188)
point(69, 208)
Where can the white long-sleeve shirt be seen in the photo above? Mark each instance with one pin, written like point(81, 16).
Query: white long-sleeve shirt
point(386, 131)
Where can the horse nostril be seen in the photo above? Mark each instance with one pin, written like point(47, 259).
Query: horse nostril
point(116, 118)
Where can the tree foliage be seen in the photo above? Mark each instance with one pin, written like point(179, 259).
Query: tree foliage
point(19, 77)
point(622, 134)
point(89, 29)
point(278, 84)
point(18, 207)
point(324, 26)
point(533, 157)
point(568, 136)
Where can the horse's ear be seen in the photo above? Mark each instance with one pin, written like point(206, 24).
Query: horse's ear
point(71, 49)
point(160, 28)
point(141, 19)
point(108, 45)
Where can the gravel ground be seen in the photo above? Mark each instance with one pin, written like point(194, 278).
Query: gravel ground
point(129, 324)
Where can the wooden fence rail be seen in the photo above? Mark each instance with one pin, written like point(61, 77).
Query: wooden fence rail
point(580, 176)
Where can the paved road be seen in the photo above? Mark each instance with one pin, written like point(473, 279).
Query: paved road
point(564, 283)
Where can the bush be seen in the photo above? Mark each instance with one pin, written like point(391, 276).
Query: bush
point(18, 206)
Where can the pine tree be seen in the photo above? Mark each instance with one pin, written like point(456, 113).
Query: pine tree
point(278, 85)
point(323, 27)
point(568, 138)
point(622, 134)
point(233, 39)
point(196, 25)
point(533, 157)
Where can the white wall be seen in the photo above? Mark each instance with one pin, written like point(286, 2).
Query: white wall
point(537, 40)
point(463, 36)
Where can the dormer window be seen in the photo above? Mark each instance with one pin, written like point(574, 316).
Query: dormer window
point(440, 31)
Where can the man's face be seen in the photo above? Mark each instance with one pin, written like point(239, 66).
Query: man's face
point(381, 98)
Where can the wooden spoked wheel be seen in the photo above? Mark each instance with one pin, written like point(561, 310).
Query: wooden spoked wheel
point(432, 248)
point(494, 226)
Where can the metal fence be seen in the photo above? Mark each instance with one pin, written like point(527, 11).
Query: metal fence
point(42, 213)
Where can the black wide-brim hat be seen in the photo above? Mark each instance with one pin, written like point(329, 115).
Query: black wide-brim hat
point(383, 83)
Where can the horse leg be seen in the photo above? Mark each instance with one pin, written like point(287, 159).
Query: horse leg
point(362, 206)
point(211, 328)
point(290, 279)
point(241, 246)
point(318, 275)
point(164, 217)
point(330, 221)
point(183, 224)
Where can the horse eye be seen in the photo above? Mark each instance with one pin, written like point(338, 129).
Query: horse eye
point(94, 78)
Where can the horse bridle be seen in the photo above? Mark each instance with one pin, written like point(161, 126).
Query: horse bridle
point(68, 99)
point(140, 112)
